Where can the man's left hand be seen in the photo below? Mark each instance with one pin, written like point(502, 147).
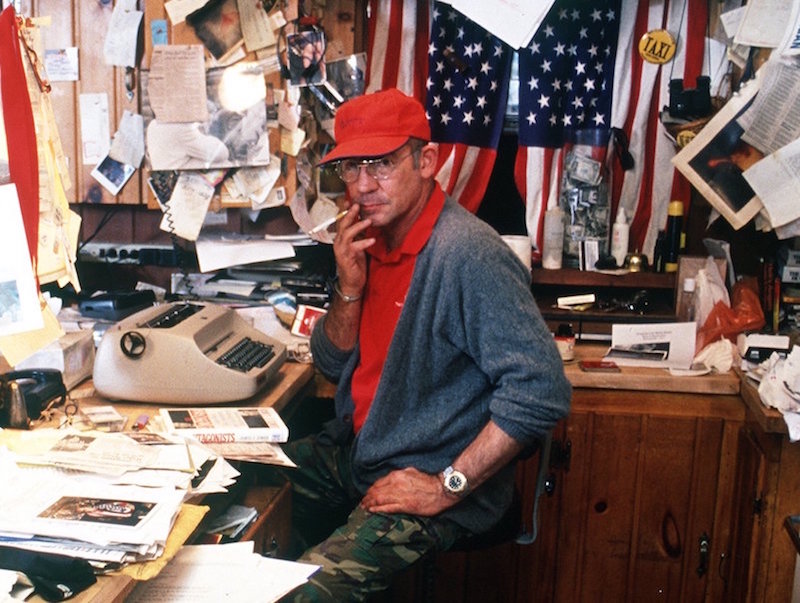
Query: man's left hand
point(408, 491)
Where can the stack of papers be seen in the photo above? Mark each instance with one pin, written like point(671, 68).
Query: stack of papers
point(52, 511)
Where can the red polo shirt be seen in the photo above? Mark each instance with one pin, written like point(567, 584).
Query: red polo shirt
point(384, 296)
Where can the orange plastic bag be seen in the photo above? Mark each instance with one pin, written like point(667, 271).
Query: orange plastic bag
point(744, 314)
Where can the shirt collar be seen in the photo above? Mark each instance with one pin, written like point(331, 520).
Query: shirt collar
point(418, 235)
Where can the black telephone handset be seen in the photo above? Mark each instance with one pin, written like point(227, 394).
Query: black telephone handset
point(25, 394)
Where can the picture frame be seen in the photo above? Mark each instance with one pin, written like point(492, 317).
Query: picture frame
point(715, 159)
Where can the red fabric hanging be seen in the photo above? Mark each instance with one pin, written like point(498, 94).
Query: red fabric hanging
point(20, 130)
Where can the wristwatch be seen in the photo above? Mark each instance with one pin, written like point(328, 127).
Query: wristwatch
point(455, 482)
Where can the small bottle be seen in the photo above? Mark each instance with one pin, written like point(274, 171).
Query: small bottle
point(619, 238)
point(553, 241)
point(687, 299)
point(672, 244)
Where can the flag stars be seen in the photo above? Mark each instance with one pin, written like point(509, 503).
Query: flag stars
point(458, 101)
point(439, 66)
point(531, 118)
point(566, 120)
point(468, 118)
point(535, 47)
point(481, 102)
point(599, 119)
point(469, 50)
point(437, 100)
point(597, 15)
point(544, 101)
point(589, 85)
point(580, 68)
point(472, 83)
point(447, 84)
point(556, 84)
point(477, 48)
point(576, 14)
point(533, 83)
point(593, 50)
point(485, 68)
point(577, 102)
point(498, 50)
point(559, 49)
point(493, 86)
point(445, 118)
point(548, 31)
point(583, 33)
point(572, 50)
point(562, 14)
point(487, 120)
point(611, 15)
point(546, 66)
point(460, 33)
point(432, 48)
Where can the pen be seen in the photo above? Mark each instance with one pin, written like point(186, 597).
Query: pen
point(323, 225)
point(141, 422)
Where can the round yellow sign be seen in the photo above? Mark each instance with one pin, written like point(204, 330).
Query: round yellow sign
point(657, 46)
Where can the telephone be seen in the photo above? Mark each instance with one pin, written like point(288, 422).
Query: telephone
point(25, 394)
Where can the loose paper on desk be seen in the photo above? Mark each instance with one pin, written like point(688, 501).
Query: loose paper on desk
point(222, 572)
point(214, 253)
point(655, 345)
point(128, 143)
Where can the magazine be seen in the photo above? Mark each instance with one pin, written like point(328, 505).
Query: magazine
point(225, 425)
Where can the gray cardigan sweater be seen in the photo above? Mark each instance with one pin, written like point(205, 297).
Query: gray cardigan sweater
point(470, 345)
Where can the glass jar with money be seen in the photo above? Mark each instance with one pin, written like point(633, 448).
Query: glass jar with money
point(585, 198)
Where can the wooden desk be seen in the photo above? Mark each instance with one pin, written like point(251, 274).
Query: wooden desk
point(285, 387)
point(291, 380)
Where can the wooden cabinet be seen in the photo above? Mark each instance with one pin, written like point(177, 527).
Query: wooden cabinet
point(767, 491)
point(642, 509)
point(642, 499)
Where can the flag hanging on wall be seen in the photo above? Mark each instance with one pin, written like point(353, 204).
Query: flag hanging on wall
point(459, 72)
point(590, 52)
point(566, 77)
point(631, 101)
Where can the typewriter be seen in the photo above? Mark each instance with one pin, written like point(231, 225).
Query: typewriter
point(185, 353)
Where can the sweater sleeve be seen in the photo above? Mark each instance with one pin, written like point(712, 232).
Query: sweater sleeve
point(328, 358)
point(506, 336)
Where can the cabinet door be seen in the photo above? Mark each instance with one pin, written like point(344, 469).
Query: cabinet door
point(748, 524)
point(639, 518)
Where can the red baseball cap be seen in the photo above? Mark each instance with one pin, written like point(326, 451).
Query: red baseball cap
point(376, 124)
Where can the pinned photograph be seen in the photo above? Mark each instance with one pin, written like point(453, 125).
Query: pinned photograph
point(218, 26)
point(234, 135)
point(306, 55)
point(112, 175)
point(715, 160)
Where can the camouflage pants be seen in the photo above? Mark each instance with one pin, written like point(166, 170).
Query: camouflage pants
point(365, 549)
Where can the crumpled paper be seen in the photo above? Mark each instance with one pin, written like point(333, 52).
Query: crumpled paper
point(718, 356)
point(780, 388)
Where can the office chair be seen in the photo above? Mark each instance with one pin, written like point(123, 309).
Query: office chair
point(510, 528)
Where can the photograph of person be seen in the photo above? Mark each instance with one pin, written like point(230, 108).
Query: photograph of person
point(306, 57)
point(235, 134)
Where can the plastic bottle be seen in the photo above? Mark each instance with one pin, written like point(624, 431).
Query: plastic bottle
point(619, 237)
point(672, 244)
point(553, 244)
point(687, 295)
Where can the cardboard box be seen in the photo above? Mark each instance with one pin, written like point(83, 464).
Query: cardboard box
point(72, 354)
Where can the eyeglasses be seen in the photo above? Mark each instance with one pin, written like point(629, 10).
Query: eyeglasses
point(380, 168)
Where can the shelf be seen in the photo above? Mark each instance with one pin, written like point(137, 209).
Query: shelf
point(570, 277)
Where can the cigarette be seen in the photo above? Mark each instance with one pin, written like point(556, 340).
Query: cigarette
point(323, 225)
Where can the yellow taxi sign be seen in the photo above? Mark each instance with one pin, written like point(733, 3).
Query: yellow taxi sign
point(657, 46)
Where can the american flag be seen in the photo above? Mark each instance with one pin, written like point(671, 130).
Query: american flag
point(398, 54)
point(467, 88)
point(630, 102)
point(457, 71)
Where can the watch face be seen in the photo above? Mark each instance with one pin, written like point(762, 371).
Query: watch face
point(455, 482)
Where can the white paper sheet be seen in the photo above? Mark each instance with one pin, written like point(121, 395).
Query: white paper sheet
point(655, 345)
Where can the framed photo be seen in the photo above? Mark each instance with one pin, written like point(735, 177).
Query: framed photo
point(715, 159)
